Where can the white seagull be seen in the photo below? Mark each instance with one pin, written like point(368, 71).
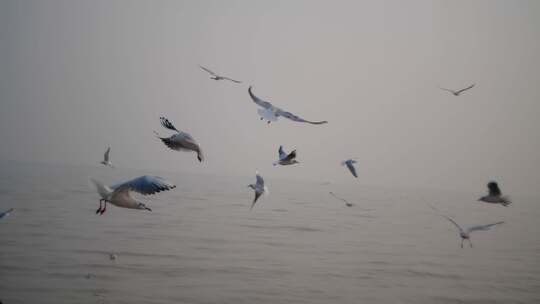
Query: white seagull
point(120, 196)
point(106, 159)
point(458, 92)
point(6, 213)
point(259, 189)
point(465, 234)
point(271, 113)
point(342, 199)
point(218, 77)
point(286, 159)
point(350, 164)
point(495, 195)
point(181, 141)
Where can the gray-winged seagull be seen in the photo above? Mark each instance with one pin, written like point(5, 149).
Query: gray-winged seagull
point(181, 141)
point(458, 92)
point(259, 189)
point(465, 234)
point(271, 113)
point(120, 196)
point(286, 159)
point(218, 77)
point(350, 165)
point(106, 158)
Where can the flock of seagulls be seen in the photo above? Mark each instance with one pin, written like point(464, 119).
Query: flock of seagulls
point(119, 195)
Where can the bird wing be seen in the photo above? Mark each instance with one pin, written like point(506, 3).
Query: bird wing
point(448, 90)
point(465, 89)
point(106, 155)
point(207, 70)
point(351, 168)
point(282, 153)
point(230, 79)
point(291, 116)
point(482, 227)
point(257, 195)
point(291, 156)
point(260, 181)
point(167, 124)
point(145, 185)
point(339, 198)
point(493, 189)
point(453, 222)
point(6, 213)
point(260, 102)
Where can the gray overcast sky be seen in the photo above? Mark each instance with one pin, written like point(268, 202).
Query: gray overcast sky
point(77, 76)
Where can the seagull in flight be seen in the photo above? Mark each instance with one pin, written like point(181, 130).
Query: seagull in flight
point(271, 113)
point(259, 188)
point(106, 159)
point(181, 141)
point(286, 159)
point(465, 233)
point(218, 77)
point(458, 92)
point(495, 195)
point(6, 213)
point(342, 199)
point(350, 165)
point(120, 194)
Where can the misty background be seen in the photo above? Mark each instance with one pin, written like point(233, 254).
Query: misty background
point(78, 76)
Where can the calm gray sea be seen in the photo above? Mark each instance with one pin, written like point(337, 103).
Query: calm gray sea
point(201, 244)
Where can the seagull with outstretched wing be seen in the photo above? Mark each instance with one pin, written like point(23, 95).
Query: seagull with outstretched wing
point(465, 233)
point(106, 158)
point(218, 77)
point(286, 159)
point(120, 194)
point(342, 199)
point(259, 188)
point(181, 141)
point(271, 113)
point(458, 92)
point(495, 195)
point(350, 165)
